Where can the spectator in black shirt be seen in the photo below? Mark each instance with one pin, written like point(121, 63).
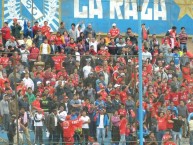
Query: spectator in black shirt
point(177, 125)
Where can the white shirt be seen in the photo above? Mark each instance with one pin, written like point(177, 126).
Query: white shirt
point(94, 44)
point(106, 78)
point(86, 70)
point(146, 55)
point(56, 120)
point(85, 119)
point(101, 123)
point(77, 54)
point(81, 30)
point(62, 115)
point(28, 83)
point(38, 119)
point(24, 55)
point(44, 48)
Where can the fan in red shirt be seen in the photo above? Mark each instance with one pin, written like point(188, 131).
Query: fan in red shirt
point(49, 87)
point(62, 73)
point(170, 116)
point(36, 28)
point(174, 96)
point(166, 137)
point(57, 61)
point(6, 33)
point(115, 91)
point(190, 106)
point(122, 111)
point(36, 103)
point(72, 44)
point(123, 94)
point(183, 94)
point(122, 127)
point(59, 39)
point(102, 92)
point(22, 87)
point(161, 122)
point(34, 52)
point(68, 127)
point(46, 30)
point(114, 31)
point(5, 60)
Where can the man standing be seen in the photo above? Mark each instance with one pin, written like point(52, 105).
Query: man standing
point(6, 33)
point(16, 28)
point(183, 39)
point(102, 123)
point(4, 108)
point(38, 123)
point(177, 124)
point(182, 111)
point(114, 31)
point(36, 28)
point(46, 30)
point(52, 127)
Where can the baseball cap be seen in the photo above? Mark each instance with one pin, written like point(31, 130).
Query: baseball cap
point(116, 85)
point(113, 24)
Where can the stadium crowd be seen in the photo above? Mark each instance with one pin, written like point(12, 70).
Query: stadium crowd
point(80, 87)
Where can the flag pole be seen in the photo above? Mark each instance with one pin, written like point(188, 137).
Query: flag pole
point(139, 9)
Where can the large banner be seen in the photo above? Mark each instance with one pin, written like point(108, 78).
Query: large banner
point(158, 15)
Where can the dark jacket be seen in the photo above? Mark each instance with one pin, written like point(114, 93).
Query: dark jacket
point(16, 31)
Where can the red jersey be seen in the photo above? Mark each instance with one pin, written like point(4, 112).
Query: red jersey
point(113, 93)
point(6, 33)
point(183, 96)
point(69, 127)
point(190, 107)
point(174, 96)
point(98, 69)
point(36, 104)
point(57, 62)
point(46, 31)
point(162, 123)
point(170, 125)
point(64, 74)
point(104, 95)
point(35, 29)
point(72, 45)
point(123, 97)
point(122, 112)
point(59, 40)
point(34, 52)
point(4, 61)
point(22, 88)
point(122, 126)
point(114, 32)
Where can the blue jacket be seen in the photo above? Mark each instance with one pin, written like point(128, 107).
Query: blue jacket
point(105, 121)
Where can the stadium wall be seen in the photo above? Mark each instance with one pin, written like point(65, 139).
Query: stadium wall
point(158, 15)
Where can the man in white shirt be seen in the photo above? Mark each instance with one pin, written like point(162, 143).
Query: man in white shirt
point(146, 54)
point(80, 27)
point(28, 81)
point(38, 123)
point(87, 69)
point(85, 126)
